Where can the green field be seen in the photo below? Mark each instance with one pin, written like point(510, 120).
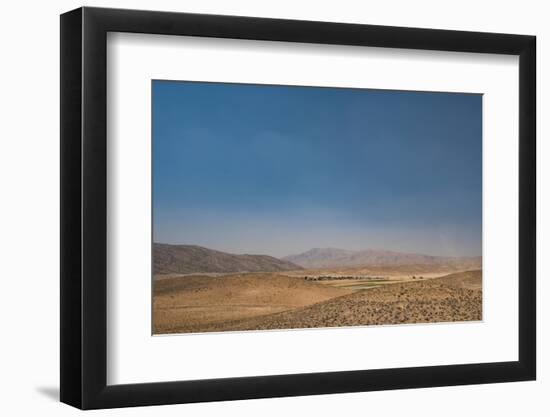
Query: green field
point(357, 284)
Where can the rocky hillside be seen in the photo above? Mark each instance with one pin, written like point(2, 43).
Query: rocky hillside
point(330, 257)
point(187, 259)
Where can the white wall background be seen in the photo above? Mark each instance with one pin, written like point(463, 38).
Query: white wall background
point(29, 212)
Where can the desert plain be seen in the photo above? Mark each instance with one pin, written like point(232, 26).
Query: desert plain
point(234, 293)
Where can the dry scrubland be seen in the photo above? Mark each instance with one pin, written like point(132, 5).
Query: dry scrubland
point(260, 301)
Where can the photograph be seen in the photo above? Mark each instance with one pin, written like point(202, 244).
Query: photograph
point(293, 207)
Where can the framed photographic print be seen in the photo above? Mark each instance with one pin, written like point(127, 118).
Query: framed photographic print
point(258, 208)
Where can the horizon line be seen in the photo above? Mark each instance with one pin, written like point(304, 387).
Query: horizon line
point(319, 248)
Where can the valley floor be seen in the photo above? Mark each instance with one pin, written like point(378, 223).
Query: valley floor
point(262, 301)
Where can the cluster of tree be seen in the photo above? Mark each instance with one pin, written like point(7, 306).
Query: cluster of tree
point(329, 278)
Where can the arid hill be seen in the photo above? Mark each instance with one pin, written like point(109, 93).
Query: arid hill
point(187, 259)
point(455, 297)
point(192, 303)
point(331, 257)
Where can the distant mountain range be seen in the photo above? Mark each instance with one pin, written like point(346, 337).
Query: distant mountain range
point(187, 259)
point(331, 257)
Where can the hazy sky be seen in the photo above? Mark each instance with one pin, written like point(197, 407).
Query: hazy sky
point(280, 170)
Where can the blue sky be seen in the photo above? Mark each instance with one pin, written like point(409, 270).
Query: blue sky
point(280, 170)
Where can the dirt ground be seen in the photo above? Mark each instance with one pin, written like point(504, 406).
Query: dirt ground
point(191, 303)
point(272, 301)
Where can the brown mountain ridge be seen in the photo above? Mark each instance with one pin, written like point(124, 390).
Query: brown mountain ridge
point(188, 259)
point(332, 257)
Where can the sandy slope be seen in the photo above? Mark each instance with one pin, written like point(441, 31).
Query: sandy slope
point(190, 304)
point(456, 297)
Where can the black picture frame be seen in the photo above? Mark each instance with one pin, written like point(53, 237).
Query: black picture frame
point(84, 207)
